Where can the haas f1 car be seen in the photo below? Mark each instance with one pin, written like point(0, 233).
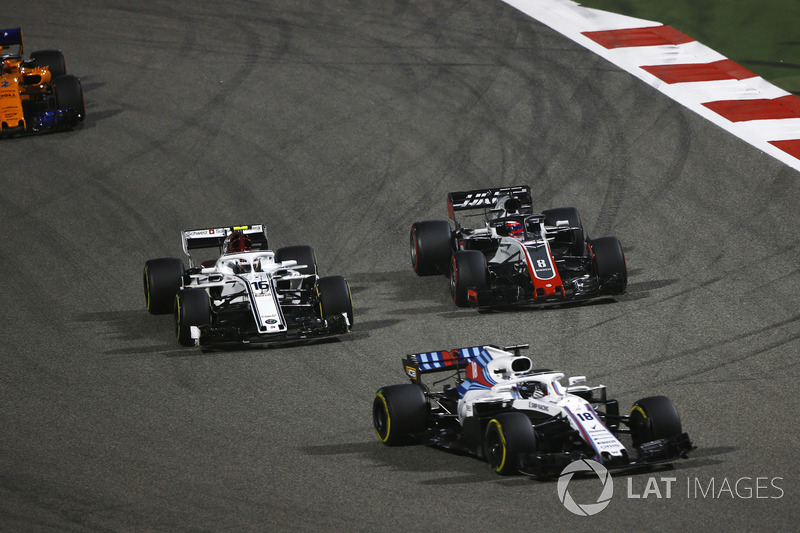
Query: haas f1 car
point(36, 94)
point(249, 294)
point(496, 406)
point(517, 257)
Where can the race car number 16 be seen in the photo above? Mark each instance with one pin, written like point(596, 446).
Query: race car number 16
point(261, 285)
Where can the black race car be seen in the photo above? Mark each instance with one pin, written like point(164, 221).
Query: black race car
point(517, 257)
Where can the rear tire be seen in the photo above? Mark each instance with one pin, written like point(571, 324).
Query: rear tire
point(610, 264)
point(430, 245)
point(162, 280)
point(575, 241)
point(304, 255)
point(467, 270)
point(507, 436)
point(69, 95)
point(335, 297)
point(192, 308)
point(653, 418)
point(400, 414)
point(52, 59)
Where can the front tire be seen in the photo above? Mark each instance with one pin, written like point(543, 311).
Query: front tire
point(192, 308)
point(400, 414)
point(430, 246)
point(467, 270)
point(52, 59)
point(335, 297)
point(507, 436)
point(575, 242)
point(653, 418)
point(162, 280)
point(610, 264)
point(69, 95)
point(303, 254)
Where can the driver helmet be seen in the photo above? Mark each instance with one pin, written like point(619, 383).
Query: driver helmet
point(11, 64)
point(516, 230)
point(532, 389)
point(237, 242)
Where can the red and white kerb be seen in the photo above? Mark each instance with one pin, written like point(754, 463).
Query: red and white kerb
point(694, 75)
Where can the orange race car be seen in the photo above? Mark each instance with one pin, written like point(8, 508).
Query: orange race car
point(36, 94)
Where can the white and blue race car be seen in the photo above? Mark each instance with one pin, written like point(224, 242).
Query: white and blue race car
point(248, 294)
point(520, 419)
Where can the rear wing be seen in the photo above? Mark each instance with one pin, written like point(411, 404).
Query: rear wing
point(418, 364)
point(214, 237)
point(415, 365)
point(11, 37)
point(520, 195)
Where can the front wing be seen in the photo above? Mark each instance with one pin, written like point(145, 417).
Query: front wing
point(306, 329)
point(662, 451)
point(515, 296)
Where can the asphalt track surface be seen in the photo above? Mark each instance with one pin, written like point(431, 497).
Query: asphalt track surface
point(339, 124)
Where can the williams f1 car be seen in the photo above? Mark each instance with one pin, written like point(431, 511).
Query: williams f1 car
point(516, 257)
point(36, 94)
point(249, 294)
point(494, 405)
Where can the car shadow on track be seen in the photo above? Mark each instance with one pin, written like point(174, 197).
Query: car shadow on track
point(455, 467)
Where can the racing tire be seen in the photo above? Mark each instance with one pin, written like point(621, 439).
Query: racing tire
point(576, 244)
point(52, 59)
point(400, 414)
point(610, 264)
point(430, 246)
point(653, 418)
point(303, 254)
point(162, 280)
point(467, 270)
point(335, 297)
point(508, 435)
point(69, 95)
point(192, 308)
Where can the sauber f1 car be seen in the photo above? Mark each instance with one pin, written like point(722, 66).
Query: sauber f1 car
point(517, 257)
point(249, 294)
point(494, 405)
point(36, 94)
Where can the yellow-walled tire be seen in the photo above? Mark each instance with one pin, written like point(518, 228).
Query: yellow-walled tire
point(400, 414)
point(162, 280)
point(653, 418)
point(507, 436)
point(192, 308)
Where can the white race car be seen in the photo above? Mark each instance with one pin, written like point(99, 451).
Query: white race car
point(499, 408)
point(249, 294)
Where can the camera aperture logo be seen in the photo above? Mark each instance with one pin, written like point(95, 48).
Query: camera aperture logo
point(586, 509)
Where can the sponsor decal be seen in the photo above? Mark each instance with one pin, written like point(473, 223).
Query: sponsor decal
point(538, 407)
point(412, 372)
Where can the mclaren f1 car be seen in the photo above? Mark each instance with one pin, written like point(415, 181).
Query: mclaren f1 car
point(516, 256)
point(494, 405)
point(248, 294)
point(36, 94)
